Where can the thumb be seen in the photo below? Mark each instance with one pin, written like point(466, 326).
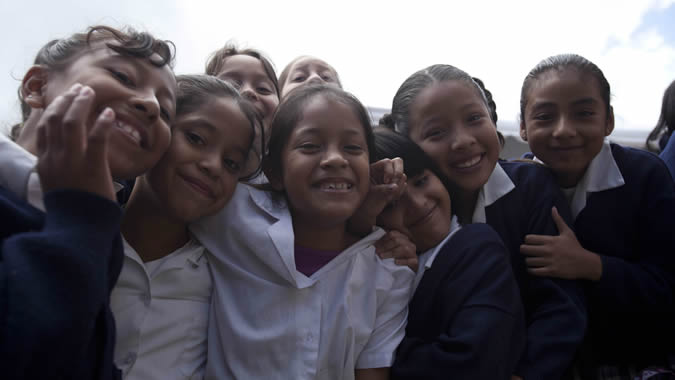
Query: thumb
point(559, 222)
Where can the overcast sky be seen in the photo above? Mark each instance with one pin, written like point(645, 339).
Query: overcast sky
point(375, 45)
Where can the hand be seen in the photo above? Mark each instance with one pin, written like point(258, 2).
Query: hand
point(397, 245)
point(560, 256)
point(71, 156)
point(387, 183)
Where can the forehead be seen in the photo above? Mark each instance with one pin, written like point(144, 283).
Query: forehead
point(310, 63)
point(162, 77)
point(565, 84)
point(243, 64)
point(327, 115)
point(445, 96)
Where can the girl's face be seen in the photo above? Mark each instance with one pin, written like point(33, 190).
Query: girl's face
point(422, 213)
point(325, 164)
point(142, 96)
point(565, 122)
point(248, 75)
point(450, 122)
point(308, 70)
point(198, 174)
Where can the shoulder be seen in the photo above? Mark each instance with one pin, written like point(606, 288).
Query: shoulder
point(479, 239)
point(525, 171)
point(633, 159)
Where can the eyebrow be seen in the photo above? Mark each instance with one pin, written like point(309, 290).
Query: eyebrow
point(238, 75)
point(164, 92)
point(584, 101)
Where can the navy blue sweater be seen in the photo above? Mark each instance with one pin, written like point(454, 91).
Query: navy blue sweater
point(668, 155)
point(554, 309)
point(632, 227)
point(56, 274)
point(465, 319)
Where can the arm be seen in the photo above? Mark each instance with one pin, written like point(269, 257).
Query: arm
point(57, 275)
point(555, 309)
point(476, 299)
point(372, 374)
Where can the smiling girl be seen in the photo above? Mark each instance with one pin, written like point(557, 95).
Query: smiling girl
point(622, 201)
point(162, 298)
point(446, 112)
point(298, 295)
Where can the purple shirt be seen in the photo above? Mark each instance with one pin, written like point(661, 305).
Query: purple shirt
point(308, 261)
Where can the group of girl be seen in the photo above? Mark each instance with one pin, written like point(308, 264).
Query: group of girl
point(269, 231)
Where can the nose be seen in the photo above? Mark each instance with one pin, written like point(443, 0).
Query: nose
point(210, 164)
point(564, 128)
point(147, 104)
point(462, 139)
point(248, 92)
point(333, 158)
point(315, 78)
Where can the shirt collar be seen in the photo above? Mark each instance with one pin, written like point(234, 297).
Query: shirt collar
point(602, 174)
point(426, 259)
point(497, 185)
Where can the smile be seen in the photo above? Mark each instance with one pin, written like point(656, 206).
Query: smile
point(424, 218)
point(200, 187)
point(129, 131)
point(471, 162)
point(335, 186)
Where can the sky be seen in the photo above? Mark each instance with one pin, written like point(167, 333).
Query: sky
point(375, 45)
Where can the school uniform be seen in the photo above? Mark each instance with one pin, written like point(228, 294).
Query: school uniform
point(161, 308)
point(668, 155)
point(623, 210)
point(516, 201)
point(269, 321)
point(466, 320)
point(57, 270)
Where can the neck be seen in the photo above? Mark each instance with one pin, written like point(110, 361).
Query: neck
point(464, 204)
point(27, 138)
point(323, 238)
point(148, 228)
point(567, 179)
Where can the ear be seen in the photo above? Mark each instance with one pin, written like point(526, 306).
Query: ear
point(33, 86)
point(609, 125)
point(523, 131)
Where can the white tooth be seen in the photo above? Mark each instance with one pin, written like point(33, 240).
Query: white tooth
point(469, 163)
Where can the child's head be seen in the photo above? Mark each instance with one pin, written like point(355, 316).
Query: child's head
point(566, 114)
point(129, 72)
point(250, 72)
point(447, 113)
point(307, 70)
point(319, 154)
point(212, 138)
point(423, 212)
point(666, 124)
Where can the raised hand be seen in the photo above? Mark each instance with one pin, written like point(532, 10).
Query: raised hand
point(71, 155)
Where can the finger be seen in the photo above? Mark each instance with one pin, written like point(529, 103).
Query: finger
point(538, 239)
point(394, 170)
point(74, 122)
point(52, 118)
point(537, 262)
point(388, 242)
point(559, 222)
point(413, 264)
point(388, 173)
point(41, 143)
point(540, 272)
point(97, 140)
point(534, 250)
point(376, 171)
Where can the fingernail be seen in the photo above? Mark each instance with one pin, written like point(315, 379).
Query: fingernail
point(86, 91)
point(107, 114)
point(76, 88)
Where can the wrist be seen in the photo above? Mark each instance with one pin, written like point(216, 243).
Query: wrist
point(594, 267)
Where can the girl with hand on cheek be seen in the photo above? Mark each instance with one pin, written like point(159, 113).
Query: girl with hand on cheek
point(447, 113)
point(465, 318)
point(620, 241)
point(162, 298)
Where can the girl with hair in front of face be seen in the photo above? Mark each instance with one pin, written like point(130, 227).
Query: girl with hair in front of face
point(305, 70)
point(622, 200)
point(298, 295)
point(96, 107)
point(162, 297)
point(465, 320)
point(662, 134)
point(445, 111)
